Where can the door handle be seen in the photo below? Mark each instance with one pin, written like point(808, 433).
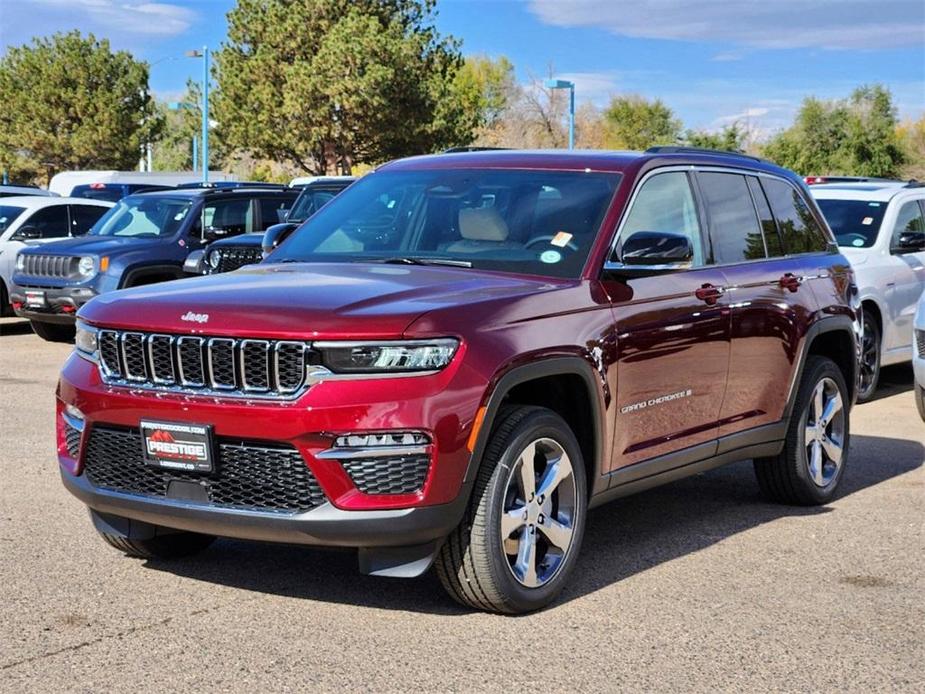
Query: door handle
point(790, 282)
point(709, 294)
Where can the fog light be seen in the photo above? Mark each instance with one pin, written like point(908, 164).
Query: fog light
point(378, 440)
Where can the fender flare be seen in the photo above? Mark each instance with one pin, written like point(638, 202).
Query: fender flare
point(551, 366)
point(129, 275)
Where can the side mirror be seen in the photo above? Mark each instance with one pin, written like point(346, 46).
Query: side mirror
point(26, 233)
point(909, 242)
point(195, 263)
point(275, 235)
point(652, 253)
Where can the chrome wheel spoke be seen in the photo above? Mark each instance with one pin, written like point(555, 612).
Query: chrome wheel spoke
point(818, 402)
point(512, 521)
point(832, 448)
point(815, 463)
point(556, 471)
point(525, 566)
point(558, 534)
point(832, 407)
point(527, 473)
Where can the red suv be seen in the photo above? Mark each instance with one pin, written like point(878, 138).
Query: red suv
point(460, 355)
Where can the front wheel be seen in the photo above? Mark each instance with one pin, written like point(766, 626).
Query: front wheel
point(920, 400)
point(53, 332)
point(519, 541)
point(811, 465)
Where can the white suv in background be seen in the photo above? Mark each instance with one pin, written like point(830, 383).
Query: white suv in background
point(39, 219)
point(880, 227)
point(918, 357)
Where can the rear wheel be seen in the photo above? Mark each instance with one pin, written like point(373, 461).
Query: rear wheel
point(809, 469)
point(518, 543)
point(53, 332)
point(172, 546)
point(870, 358)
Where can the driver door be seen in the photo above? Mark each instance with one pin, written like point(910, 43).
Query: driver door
point(672, 332)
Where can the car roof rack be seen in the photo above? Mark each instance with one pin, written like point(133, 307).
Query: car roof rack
point(678, 149)
point(457, 150)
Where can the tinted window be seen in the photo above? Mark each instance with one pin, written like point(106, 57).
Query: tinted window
point(8, 215)
point(487, 218)
point(909, 220)
point(734, 226)
point(800, 232)
point(83, 217)
point(665, 203)
point(310, 201)
point(51, 222)
point(233, 216)
point(772, 242)
point(143, 216)
point(272, 210)
point(855, 223)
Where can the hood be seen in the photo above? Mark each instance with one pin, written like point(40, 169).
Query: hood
point(96, 245)
point(306, 300)
point(252, 239)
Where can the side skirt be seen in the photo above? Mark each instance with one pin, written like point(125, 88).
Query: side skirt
point(760, 442)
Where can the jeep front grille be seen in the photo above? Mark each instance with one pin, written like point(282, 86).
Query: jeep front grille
point(232, 257)
point(920, 342)
point(248, 474)
point(216, 365)
point(63, 266)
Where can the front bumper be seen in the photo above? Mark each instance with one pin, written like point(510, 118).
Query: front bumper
point(61, 303)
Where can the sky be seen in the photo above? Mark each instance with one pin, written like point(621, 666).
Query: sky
point(714, 62)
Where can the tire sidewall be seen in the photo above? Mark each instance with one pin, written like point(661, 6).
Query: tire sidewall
point(541, 424)
point(818, 370)
point(870, 324)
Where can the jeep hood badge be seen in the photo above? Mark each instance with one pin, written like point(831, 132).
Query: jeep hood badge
point(191, 317)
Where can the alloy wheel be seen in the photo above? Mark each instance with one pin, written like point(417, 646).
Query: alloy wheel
point(539, 513)
point(825, 432)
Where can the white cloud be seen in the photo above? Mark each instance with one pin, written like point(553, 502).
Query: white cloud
point(727, 57)
point(833, 24)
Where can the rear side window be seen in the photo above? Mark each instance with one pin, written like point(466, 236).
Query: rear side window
point(665, 203)
point(799, 229)
point(734, 228)
point(772, 242)
point(233, 216)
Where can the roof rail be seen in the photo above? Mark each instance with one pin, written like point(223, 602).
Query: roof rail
point(915, 184)
point(456, 150)
point(674, 149)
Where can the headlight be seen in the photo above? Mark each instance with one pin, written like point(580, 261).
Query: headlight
point(20, 262)
point(387, 357)
point(87, 266)
point(85, 340)
point(214, 259)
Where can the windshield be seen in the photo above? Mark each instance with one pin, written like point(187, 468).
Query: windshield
point(8, 215)
point(309, 202)
point(143, 217)
point(533, 222)
point(855, 223)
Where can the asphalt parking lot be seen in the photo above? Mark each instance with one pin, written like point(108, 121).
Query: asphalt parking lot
point(699, 585)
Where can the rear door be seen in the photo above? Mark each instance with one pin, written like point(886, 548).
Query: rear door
point(672, 347)
point(768, 301)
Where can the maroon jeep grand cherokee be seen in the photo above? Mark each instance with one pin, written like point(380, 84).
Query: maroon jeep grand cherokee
point(459, 356)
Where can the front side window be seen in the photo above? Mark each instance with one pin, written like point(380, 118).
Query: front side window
point(909, 220)
point(665, 203)
point(309, 202)
point(51, 222)
point(273, 210)
point(734, 228)
point(83, 217)
point(140, 216)
point(799, 229)
point(509, 220)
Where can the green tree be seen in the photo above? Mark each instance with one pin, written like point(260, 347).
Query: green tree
point(69, 102)
point(484, 88)
point(730, 139)
point(324, 84)
point(854, 136)
point(633, 122)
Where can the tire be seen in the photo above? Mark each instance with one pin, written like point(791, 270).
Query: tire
point(792, 477)
point(870, 358)
point(53, 332)
point(920, 400)
point(481, 569)
point(5, 309)
point(170, 546)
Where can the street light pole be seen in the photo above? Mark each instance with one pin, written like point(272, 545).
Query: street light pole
point(204, 54)
point(565, 84)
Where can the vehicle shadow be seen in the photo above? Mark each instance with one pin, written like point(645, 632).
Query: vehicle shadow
point(621, 539)
point(894, 380)
point(14, 326)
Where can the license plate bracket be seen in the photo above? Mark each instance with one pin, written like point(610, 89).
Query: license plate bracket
point(178, 446)
point(35, 299)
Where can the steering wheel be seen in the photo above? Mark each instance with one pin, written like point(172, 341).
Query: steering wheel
point(571, 245)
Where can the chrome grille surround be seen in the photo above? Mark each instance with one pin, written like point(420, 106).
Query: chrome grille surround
point(189, 364)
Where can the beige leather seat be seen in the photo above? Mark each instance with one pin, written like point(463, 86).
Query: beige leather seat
point(482, 229)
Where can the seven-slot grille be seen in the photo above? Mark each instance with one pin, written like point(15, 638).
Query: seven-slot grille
point(49, 265)
point(232, 257)
point(920, 342)
point(248, 474)
point(269, 368)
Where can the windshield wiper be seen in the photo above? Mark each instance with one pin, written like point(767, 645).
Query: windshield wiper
point(411, 260)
